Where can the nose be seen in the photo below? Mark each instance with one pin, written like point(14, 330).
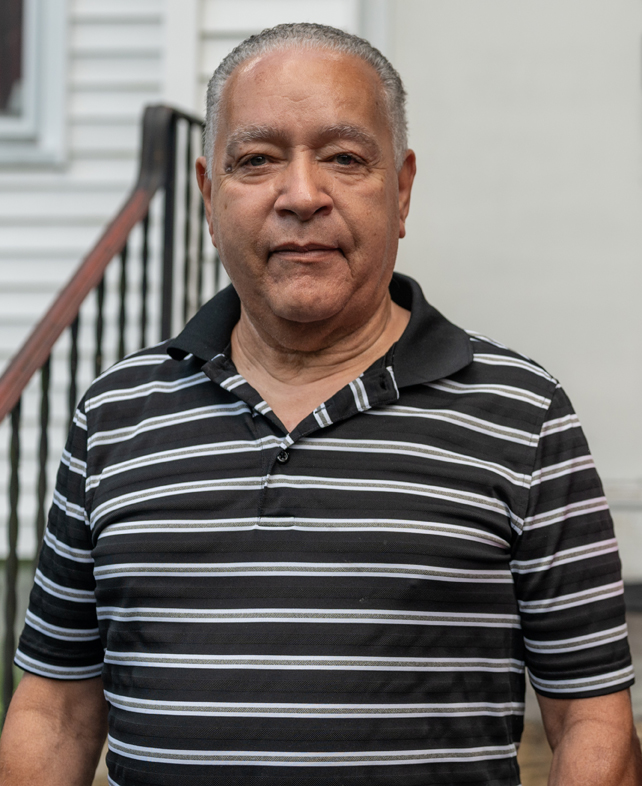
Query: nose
point(304, 191)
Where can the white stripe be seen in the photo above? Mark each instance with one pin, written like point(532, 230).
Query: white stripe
point(458, 419)
point(562, 469)
point(297, 759)
point(411, 449)
point(313, 663)
point(322, 417)
point(568, 511)
point(233, 382)
point(396, 571)
point(360, 396)
point(62, 634)
point(439, 529)
point(315, 616)
point(505, 391)
point(65, 593)
point(578, 642)
point(503, 360)
point(136, 362)
point(393, 378)
point(474, 335)
point(74, 464)
point(56, 672)
point(165, 421)
point(69, 508)
point(572, 599)
point(63, 550)
point(565, 556)
point(80, 420)
point(263, 408)
point(183, 454)
point(355, 485)
point(309, 710)
point(557, 425)
point(584, 683)
point(173, 489)
point(142, 391)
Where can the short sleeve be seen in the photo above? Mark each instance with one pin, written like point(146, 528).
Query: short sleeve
point(60, 639)
point(567, 570)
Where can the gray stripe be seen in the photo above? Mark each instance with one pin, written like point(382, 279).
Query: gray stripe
point(301, 569)
point(572, 599)
point(216, 525)
point(412, 449)
point(459, 419)
point(274, 758)
point(355, 485)
point(287, 710)
point(157, 660)
point(590, 683)
point(311, 616)
point(56, 672)
point(577, 643)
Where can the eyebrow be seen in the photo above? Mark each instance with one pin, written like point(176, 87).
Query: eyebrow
point(265, 133)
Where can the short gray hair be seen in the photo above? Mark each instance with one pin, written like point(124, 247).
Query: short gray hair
point(309, 35)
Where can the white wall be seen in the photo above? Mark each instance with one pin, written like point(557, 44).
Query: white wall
point(526, 215)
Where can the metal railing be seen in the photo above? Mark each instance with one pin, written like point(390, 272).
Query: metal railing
point(150, 270)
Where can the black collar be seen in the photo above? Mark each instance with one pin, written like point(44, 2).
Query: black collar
point(430, 348)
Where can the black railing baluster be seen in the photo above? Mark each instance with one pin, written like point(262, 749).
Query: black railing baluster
point(73, 371)
point(100, 324)
point(201, 240)
point(43, 452)
point(167, 294)
point(11, 564)
point(187, 230)
point(144, 281)
point(122, 311)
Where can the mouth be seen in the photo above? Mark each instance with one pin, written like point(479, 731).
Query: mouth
point(305, 252)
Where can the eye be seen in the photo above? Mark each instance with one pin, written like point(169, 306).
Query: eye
point(257, 160)
point(345, 159)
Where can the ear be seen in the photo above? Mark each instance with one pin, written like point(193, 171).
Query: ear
point(406, 177)
point(205, 187)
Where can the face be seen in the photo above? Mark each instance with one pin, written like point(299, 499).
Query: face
point(305, 205)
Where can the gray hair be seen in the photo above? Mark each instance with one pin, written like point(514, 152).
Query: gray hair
point(309, 35)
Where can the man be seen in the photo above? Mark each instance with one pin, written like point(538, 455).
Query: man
point(319, 542)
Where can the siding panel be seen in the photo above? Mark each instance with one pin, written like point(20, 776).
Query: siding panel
point(230, 16)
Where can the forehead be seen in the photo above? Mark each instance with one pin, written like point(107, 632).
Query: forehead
point(298, 90)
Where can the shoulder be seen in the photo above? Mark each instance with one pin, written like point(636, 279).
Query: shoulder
point(496, 364)
point(488, 352)
point(144, 367)
point(138, 379)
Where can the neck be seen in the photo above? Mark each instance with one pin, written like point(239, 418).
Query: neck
point(295, 380)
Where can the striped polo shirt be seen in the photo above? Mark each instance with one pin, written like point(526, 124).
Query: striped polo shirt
point(354, 602)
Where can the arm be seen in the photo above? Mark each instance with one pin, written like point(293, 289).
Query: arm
point(54, 732)
point(594, 741)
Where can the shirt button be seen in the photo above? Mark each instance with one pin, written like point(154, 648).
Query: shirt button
point(282, 457)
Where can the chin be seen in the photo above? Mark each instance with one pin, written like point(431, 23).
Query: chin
point(307, 307)
point(307, 315)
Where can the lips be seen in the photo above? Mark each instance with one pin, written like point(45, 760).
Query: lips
point(306, 248)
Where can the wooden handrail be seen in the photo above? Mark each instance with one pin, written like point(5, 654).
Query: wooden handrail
point(158, 124)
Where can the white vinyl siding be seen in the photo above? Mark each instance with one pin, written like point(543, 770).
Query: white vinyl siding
point(225, 23)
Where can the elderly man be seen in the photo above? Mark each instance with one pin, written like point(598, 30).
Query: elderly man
point(320, 542)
